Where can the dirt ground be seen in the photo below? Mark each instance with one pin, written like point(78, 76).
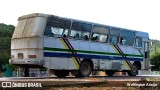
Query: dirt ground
point(83, 88)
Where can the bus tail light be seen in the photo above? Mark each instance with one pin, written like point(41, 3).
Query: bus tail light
point(32, 56)
point(20, 55)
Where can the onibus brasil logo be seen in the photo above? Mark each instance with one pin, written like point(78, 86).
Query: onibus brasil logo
point(20, 84)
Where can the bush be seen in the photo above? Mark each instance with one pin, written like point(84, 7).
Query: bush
point(155, 60)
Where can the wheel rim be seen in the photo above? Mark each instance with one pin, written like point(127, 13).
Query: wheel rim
point(86, 68)
point(134, 69)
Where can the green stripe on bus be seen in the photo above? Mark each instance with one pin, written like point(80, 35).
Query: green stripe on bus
point(91, 52)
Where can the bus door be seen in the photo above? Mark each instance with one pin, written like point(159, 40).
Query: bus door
point(146, 55)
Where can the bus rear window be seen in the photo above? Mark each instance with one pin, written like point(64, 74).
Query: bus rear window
point(29, 27)
point(18, 32)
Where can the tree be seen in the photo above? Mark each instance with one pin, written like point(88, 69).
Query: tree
point(6, 32)
point(155, 47)
point(155, 60)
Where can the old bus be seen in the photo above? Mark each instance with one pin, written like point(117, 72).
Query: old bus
point(66, 45)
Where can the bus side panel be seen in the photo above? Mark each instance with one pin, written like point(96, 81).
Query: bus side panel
point(47, 62)
point(56, 51)
point(94, 46)
point(72, 65)
point(59, 63)
point(74, 62)
point(132, 52)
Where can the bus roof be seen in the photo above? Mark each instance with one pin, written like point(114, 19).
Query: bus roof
point(33, 15)
point(138, 33)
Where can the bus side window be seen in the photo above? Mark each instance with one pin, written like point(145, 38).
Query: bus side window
point(113, 39)
point(75, 34)
point(48, 32)
point(57, 27)
point(99, 37)
point(114, 36)
point(138, 42)
point(122, 40)
point(95, 37)
point(80, 30)
point(127, 37)
point(57, 31)
point(85, 35)
point(100, 33)
point(65, 33)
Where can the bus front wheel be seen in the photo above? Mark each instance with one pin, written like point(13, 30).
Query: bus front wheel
point(133, 71)
point(85, 69)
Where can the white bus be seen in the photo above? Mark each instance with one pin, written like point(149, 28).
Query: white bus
point(66, 45)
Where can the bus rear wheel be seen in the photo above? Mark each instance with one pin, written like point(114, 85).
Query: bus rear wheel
point(85, 69)
point(133, 71)
point(110, 72)
point(61, 73)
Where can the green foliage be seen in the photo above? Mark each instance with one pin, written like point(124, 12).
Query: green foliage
point(155, 54)
point(155, 60)
point(5, 43)
point(155, 47)
point(6, 32)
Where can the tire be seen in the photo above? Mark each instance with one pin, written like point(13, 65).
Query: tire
point(110, 72)
point(61, 73)
point(85, 69)
point(133, 71)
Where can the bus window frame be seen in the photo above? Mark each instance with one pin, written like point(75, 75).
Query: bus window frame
point(107, 29)
point(80, 30)
point(126, 38)
point(50, 23)
point(141, 42)
point(99, 34)
point(118, 36)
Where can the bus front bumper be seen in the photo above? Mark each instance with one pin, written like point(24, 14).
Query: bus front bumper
point(27, 62)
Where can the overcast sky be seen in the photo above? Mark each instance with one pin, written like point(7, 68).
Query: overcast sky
point(141, 15)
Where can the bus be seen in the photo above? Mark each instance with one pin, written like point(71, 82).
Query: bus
point(65, 45)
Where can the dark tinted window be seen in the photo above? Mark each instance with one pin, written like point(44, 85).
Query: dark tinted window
point(129, 34)
point(114, 36)
point(127, 37)
point(81, 26)
point(58, 22)
point(115, 31)
point(56, 27)
point(138, 43)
